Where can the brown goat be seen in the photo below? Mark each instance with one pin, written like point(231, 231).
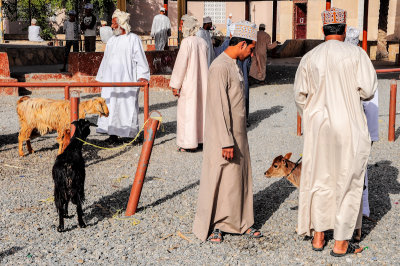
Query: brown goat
point(282, 167)
point(38, 116)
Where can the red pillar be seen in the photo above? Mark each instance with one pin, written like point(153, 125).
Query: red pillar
point(365, 26)
point(166, 7)
point(328, 4)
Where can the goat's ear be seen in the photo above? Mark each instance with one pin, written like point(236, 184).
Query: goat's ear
point(286, 164)
point(75, 123)
point(288, 155)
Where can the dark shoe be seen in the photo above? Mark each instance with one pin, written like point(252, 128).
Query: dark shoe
point(351, 249)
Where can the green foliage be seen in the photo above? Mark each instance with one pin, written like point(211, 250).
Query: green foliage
point(44, 11)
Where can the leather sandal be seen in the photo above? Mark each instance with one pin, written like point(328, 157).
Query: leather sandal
point(216, 236)
point(351, 248)
point(318, 249)
point(252, 233)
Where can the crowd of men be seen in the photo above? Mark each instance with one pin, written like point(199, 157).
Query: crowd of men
point(330, 84)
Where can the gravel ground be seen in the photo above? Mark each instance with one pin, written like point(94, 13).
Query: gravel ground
point(161, 231)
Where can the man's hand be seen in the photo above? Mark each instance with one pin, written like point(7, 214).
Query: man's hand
point(142, 80)
point(176, 92)
point(227, 153)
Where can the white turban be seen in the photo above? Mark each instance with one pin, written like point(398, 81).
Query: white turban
point(190, 26)
point(352, 35)
point(33, 21)
point(123, 19)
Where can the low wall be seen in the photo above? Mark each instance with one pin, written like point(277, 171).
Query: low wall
point(27, 55)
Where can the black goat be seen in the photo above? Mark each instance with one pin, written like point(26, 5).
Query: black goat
point(69, 175)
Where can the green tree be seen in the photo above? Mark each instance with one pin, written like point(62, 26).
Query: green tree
point(45, 10)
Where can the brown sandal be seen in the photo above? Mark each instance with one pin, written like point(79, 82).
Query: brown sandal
point(216, 236)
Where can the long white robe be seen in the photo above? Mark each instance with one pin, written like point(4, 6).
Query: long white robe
point(205, 34)
point(330, 82)
point(190, 75)
point(124, 61)
point(160, 30)
point(371, 109)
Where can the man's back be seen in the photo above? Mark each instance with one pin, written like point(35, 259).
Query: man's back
point(34, 34)
point(335, 73)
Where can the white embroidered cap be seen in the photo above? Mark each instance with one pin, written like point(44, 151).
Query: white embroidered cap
point(352, 35)
point(245, 29)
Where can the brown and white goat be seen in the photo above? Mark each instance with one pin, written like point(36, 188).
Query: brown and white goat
point(38, 116)
point(282, 167)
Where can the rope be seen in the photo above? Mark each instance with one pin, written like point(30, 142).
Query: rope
point(159, 118)
point(133, 220)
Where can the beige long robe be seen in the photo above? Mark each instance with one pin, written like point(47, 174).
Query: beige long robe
point(330, 82)
point(226, 196)
point(190, 75)
point(259, 60)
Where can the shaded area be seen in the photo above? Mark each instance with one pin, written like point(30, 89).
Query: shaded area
point(160, 106)
point(107, 206)
point(397, 134)
point(382, 181)
point(258, 116)
point(9, 252)
point(268, 201)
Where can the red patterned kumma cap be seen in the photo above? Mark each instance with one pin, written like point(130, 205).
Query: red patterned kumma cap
point(334, 16)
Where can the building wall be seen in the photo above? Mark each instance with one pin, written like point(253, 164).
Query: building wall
point(393, 29)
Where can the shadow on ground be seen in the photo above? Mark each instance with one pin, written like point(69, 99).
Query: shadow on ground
point(268, 201)
point(258, 116)
point(9, 252)
point(382, 181)
point(107, 206)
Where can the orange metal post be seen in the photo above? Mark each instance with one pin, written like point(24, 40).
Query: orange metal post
point(146, 102)
point(149, 135)
point(66, 92)
point(365, 26)
point(328, 4)
point(298, 124)
point(74, 112)
point(392, 110)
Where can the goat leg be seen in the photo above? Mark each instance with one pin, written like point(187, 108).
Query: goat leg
point(80, 214)
point(60, 227)
point(28, 145)
point(66, 211)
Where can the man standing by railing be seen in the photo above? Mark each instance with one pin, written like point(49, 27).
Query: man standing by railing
point(88, 27)
point(124, 61)
point(161, 30)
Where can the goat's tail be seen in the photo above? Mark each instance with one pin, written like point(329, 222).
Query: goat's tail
point(23, 98)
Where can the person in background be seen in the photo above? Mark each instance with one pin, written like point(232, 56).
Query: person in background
point(228, 24)
point(371, 110)
point(124, 61)
point(259, 61)
point(161, 30)
point(71, 37)
point(88, 26)
point(204, 33)
point(189, 84)
point(105, 31)
point(34, 32)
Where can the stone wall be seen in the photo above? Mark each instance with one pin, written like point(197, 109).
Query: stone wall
point(26, 55)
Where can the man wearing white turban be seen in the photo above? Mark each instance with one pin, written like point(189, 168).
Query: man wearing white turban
point(124, 61)
point(161, 30)
point(225, 202)
point(204, 33)
point(189, 83)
